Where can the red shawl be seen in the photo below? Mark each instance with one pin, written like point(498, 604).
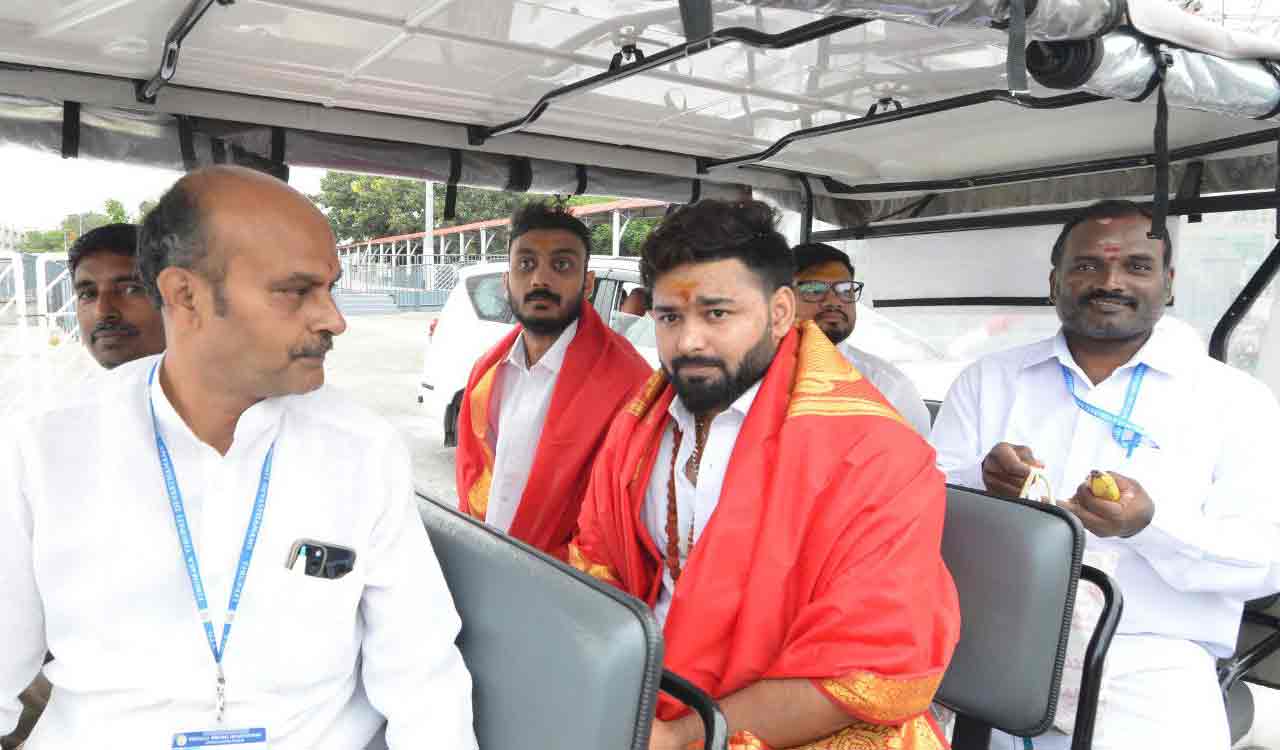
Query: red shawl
point(600, 371)
point(822, 560)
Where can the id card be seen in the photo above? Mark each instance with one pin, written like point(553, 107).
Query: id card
point(221, 738)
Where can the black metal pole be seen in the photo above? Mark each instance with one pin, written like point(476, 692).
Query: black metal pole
point(1243, 302)
point(1215, 204)
point(806, 210)
point(1094, 166)
point(478, 134)
point(897, 115)
point(1095, 655)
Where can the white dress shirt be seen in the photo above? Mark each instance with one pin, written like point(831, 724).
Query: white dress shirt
point(694, 505)
point(515, 427)
point(1214, 542)
point(92, 571)
point(893, 383)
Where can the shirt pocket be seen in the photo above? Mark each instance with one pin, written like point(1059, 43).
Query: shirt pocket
point(312, 627)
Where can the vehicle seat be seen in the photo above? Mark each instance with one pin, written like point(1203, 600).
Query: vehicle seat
point(558, 660)
point(1016, 565)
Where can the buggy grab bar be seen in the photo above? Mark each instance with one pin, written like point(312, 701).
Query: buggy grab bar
point(195, 10)
point(886, 116)
point(715, 727)
point(478, 134)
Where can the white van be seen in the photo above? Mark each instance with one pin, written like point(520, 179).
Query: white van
point(929, 136)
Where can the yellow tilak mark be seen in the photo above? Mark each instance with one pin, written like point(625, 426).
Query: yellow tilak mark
point(884, 699)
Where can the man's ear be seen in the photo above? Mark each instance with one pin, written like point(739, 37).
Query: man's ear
point(589, 285)
point(1053, 284)
point(1168, 287)
point(178, 292)
point(782, 312)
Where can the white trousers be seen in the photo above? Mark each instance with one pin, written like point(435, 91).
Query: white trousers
point(1158, 693)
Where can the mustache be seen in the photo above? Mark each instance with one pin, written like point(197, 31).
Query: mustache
point(1104, 296)
point(316, 350)
point(681, 362)
point(545, 294)
point(836, 310)
point(113, 326)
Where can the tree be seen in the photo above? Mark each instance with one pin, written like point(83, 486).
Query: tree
point(364, 207)
point(43, 242)
point(75, 225)
point(115, 212)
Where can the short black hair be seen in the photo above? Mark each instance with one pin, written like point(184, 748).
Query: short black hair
point(118, 239)
point(712, 230)
point(536, 215)
point(813, 254)
point(1108, 209)
point(171, 235)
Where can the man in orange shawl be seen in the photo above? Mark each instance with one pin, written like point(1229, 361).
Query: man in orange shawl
point(538, 404)
point(779, 516)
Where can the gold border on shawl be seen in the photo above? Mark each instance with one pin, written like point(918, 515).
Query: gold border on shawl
point(478, 493)
point(595, 570)
point(881, 699)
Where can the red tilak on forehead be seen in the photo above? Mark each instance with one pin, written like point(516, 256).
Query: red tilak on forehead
point(1110, 248)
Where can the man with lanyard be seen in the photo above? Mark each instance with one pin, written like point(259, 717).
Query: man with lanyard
point(118, 324)
point(222, 472)
point(828, 295)
point(538, 404)
point(778, 515)
point(1190, 444)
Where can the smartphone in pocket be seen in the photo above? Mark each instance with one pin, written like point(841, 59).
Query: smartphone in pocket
point(320, 559)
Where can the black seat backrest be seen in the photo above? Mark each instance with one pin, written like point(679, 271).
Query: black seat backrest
point(1015, 565)
point(557, 659)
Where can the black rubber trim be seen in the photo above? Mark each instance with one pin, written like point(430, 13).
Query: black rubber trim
point(582, 180)
point(187, 143)
point(695, 191)
point(1160, 201)
point(652, 633)
point(519, 175)
point(963, 302)
point(451, 186)
point(1016, 56)
point(218, 150)
point(1273, 68)
point(70, 130)
point(806, 209)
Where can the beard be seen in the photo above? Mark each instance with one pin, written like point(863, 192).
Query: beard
point(705, 394)
point(541, 325)
point(1078, 316)
point(837, 331)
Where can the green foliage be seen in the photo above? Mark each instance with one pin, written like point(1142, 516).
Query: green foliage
point(42, 242)
point(116, 212)
point(633, 236)
point(364, 207)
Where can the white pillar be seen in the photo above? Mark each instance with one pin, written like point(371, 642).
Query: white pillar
point(617, 232)
point(484, 244)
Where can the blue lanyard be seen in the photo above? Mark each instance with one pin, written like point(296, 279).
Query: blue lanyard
point(1125, 432)
point(188, 547)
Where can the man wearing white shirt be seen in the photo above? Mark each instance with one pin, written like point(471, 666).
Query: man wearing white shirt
point(220, 485)
point(827, 294)
point(1189, 441)
point(538, 403)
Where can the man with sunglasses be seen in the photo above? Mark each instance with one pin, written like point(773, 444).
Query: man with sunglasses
point(827, 292)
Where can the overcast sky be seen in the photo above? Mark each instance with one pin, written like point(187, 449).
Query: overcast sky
point(38, 189)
